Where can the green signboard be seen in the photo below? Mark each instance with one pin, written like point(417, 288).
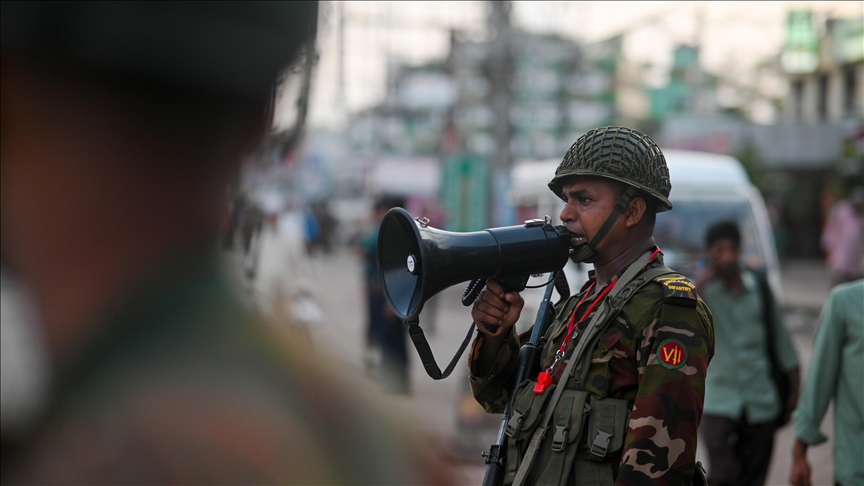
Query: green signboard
point(464, 193)
point(801, 46)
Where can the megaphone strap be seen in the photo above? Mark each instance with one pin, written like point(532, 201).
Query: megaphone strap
point(425, 352)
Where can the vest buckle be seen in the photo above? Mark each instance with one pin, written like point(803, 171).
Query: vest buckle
point(601, 443)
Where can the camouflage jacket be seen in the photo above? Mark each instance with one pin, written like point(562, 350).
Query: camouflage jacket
point(667, 396)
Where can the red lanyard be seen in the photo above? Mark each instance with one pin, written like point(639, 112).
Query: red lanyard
point(573, 323)
point(544, 379)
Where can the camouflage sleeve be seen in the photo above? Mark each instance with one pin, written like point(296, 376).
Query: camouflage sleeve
point(490, 389)
point(672, 358)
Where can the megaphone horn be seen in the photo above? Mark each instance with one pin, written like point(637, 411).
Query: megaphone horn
point(416, 261)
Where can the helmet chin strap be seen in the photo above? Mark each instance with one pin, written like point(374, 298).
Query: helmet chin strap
point(587, 252)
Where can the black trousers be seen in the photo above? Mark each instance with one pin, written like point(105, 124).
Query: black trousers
point(388, 332)
point(739, 452)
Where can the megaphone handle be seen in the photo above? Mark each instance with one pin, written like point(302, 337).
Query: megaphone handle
point(472, 291)
point(510, 284)
point(425, 352)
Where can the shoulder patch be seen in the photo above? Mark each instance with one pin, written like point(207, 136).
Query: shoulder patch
point(672, 354)
point(678, 290)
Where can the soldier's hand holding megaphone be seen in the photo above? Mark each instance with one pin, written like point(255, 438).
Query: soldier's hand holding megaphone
point(496, 310)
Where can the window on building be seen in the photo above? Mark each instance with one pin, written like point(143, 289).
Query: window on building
point(850, 85)
point(798, 99)
point(822, 100)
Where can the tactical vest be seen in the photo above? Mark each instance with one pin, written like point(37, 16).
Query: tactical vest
point(566, 429)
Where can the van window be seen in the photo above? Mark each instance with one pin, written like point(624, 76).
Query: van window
point(680, 233)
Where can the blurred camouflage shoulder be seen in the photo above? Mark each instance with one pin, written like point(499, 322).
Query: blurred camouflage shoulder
point(190, 387)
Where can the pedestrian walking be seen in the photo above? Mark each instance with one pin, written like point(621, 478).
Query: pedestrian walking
point(843, 238)
point(835, 374)
point(744, 405)
point(386, 335)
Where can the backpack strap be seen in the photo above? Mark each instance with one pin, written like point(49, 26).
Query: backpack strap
point(769, 319)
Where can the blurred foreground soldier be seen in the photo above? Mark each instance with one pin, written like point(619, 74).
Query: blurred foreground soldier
point(836, 373)
point(744, 405)
point(632, 401)
point(121, 125)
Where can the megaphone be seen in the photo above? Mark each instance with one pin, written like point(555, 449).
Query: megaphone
point(416, 261)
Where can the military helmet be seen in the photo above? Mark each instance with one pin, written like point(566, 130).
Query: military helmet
point(619, 153)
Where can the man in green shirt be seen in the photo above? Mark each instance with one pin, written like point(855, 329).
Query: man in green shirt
point(742, 402)
point(836, 373)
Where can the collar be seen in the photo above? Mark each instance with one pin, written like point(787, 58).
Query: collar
point(748, 281)
point(592, 274)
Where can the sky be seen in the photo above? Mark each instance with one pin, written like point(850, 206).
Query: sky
point(734, 37)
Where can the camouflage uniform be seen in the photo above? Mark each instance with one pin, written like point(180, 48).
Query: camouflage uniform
point(660, 445)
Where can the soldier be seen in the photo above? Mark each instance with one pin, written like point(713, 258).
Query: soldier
point(632, 348)
point(122, 122)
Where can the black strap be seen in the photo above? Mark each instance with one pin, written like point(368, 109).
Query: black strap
point(768, 317)
point(769, 320)
point(425, 352)
point(767, 313)
point(617, 211)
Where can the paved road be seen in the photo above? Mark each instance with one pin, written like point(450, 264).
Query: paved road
point(461, 428)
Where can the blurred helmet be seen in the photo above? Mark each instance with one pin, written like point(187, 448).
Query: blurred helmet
point(229, 49)
point(618, 153)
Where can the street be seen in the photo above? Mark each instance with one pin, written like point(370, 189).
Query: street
point(436, 404)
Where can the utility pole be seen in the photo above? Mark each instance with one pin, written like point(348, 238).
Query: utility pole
point(499, 69)
point(340, 78)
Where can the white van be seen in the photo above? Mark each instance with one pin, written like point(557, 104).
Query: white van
point(706, 188)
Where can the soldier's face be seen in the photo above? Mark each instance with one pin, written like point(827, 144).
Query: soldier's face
point(588, 202)
point(723, 256)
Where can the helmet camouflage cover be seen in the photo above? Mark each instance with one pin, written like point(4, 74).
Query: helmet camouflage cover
point(619, 153)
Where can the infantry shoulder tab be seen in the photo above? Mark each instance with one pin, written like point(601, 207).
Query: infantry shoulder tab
point(678, 290)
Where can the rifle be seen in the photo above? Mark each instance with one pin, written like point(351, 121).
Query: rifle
point(496, 456)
